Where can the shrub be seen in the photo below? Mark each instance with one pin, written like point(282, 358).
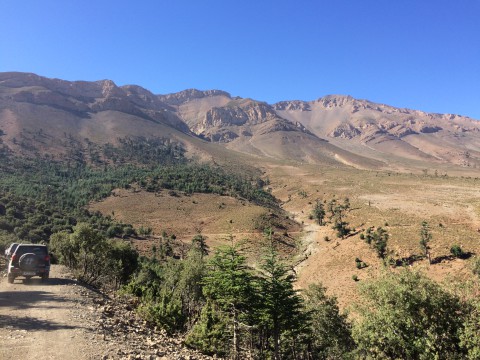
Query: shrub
point(360, 264)
point(457, 251)
point(405, 315)
point(331, 336)
point(94, 259)
point(210, 334)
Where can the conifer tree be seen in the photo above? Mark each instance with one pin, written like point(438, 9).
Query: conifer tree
point(331, 335)
point(281, 305)
point(199, 242)
point(210, 333)
point(230, 284)
point(319, 212)
point(380, 239)
point(337, 216)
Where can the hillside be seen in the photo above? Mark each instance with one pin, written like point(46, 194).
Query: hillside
point(41, 115)
point(232, 205)
point(387, 133)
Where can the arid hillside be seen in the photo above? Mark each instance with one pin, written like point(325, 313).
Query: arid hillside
point(398, 167)
point(397, 202)
point(58, 118)
point(336, 192)
point(41, 115)
point(397, 136)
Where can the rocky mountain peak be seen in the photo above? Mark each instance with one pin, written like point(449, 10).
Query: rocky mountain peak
point(239, 113)
point(292, 105)
point(189, 95)
point(109, 89)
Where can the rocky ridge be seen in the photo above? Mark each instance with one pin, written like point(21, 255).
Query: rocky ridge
point(368, 129)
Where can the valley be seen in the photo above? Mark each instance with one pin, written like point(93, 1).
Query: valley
point(398, 202)
point(193, 206)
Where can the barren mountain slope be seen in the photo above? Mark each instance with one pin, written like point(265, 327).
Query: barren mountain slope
point(396, 202)
point(41, 115)
point(253, 127)
point(192, 105)
point(363, 126)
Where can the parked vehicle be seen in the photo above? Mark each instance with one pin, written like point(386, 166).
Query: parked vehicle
point(29, 260)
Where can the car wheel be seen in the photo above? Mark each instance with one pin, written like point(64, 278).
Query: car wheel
point(45, 278)
point(10, 279)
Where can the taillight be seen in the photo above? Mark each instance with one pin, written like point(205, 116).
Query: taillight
point(47, 258)
point(14, 257)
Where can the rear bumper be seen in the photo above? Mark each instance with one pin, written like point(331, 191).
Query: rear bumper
point(37, 272)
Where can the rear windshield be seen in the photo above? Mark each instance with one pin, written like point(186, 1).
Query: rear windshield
point(37, 250)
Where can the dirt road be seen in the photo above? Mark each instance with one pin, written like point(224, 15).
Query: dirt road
point(47, 320)
point(66, 321)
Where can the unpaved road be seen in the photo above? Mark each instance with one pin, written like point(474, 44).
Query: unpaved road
point(66, 321)
point(47, 321)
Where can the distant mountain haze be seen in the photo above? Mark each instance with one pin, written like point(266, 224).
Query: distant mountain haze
point(39, 115)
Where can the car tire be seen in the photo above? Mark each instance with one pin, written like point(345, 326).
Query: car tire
point(10, 279)
point(45, 278)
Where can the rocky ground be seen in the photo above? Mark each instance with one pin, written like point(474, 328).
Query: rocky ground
point(65, 320)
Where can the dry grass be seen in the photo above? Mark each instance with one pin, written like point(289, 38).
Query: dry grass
point(397, 202)
point(219, 218)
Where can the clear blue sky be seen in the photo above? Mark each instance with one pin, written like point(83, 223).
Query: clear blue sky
point(420, 54)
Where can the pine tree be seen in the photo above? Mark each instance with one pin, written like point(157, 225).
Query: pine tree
point(319, 212)
point(210, 333)
point(337, 216)
point(190, 284)
point(331, 335)
point(199, 242)
point(230, 284)
point(281, 305)
point(380, 239)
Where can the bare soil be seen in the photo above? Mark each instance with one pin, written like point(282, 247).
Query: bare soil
point(46, 320)
point(397, 202)
point(63, 319)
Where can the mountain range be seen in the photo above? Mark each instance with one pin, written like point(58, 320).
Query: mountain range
point(39, 115)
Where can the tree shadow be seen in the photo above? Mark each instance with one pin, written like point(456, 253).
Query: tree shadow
point(48, 282)
point(28, 299)
point(31, 324)
point(352, 233)
point(408, 260)
point(413, 258)
point(463, 256)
